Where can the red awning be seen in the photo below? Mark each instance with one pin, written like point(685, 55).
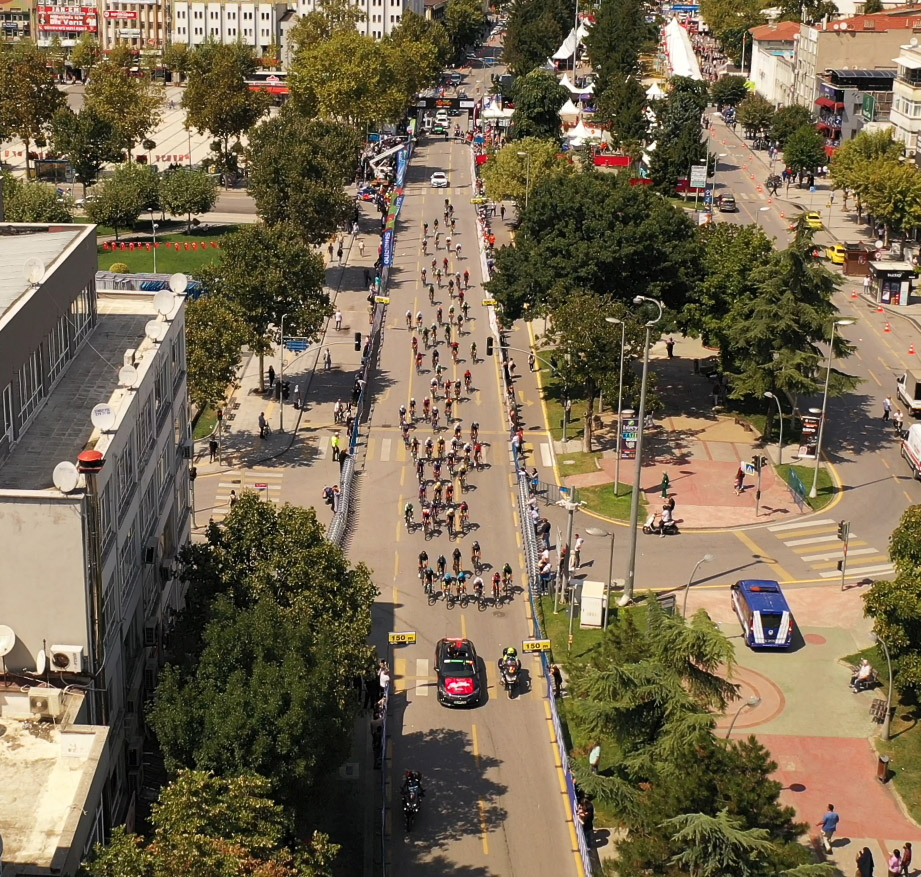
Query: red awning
point(829, 103)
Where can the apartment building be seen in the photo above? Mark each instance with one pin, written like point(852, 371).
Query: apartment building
point(64, 22)
point(256, 25)
point(381, 16)
point(89, 557)
point(142, 24)
point(772, 60)
point(16, 20)
point(906, 98)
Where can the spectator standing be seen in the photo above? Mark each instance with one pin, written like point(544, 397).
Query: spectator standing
point(577, 552)
point(594, 757)
point(829, 825)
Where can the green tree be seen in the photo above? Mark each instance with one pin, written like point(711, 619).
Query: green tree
point(730, 21)
point(132, 104)
point(464, 21)
point(187, 191)
point(512, 177)
point(32, 202)
point(538, 98)
point(327, 18)
point(622, 106)
point(131, 190)
point(810, 11)
point(852, 163)
point(218, 826)
point(217, 99)
point(596, 232)
point(88, 140)
point(755, 113)
point(618, 38)
point(871, 6)
point(416, 29)
point(728, 91)
point(214, 335)
point(713, 846)
point(276, 631)
point(86, 53)
point(297, 173)
point(805, 149)
point(535, 30)
point(787, 120)
point(177, 58)
point(29, 96)
point(678, 141)
point(893, 195)
point(266, 273)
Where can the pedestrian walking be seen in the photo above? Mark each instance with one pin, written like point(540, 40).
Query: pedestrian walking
point(271, 376)
point(557, 681)
point(502, 212)
point(866, 284)
point(383, 679)
point(665, 484)
point(327, 360)
point(329, 250)
point(893, 861)
point(906, 858)
point(865, 863)
point(577, 552)
point(297, 396)
point(338, 319)
point(829, 824)
point(262, 425)
point(670, 347)
point(361, 247)
point(532, 360)
point(334, 442)
point(212, 449)
point(594, 757)
point(887, 407)
point(898, 418)
point(740, 481)
point(233, 498)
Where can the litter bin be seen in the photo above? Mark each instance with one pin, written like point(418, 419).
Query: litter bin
point(277, 389)
point(882, 768)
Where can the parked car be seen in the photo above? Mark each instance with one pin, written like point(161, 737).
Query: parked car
point(835, 253)
point(814, 219)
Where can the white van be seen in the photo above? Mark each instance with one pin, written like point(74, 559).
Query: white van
point(441, 116)
point(911, 449)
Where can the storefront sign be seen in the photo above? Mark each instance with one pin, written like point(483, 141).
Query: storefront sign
point(67, 18)
point(121, 14)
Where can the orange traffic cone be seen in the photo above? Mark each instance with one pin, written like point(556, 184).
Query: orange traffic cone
point(783, 215)
point(887, 329)
point(879, 309)
point(853, 293)
point(911, 349)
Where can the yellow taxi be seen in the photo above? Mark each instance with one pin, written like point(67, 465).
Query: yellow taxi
point(835, 254)
point(814, 219)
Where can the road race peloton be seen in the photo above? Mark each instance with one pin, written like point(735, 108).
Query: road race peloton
point(445, 450)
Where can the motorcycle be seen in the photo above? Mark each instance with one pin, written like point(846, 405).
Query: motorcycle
point(655, 527)
point(510, 671)
point(412, 795)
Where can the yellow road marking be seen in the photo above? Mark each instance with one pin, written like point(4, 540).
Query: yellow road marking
point(463, 627)
point(776, 568)
point(396, 570)
point(879, 383)
point(830, 546)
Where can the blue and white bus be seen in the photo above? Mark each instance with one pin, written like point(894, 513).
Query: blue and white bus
point(763, 612)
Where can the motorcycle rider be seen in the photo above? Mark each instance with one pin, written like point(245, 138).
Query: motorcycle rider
point(509, 658)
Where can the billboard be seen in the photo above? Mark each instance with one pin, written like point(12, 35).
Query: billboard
point(121, 14)
point(67, 18)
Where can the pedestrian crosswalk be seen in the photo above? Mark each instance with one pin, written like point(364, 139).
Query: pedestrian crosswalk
point(264, 482)
point(817, 545)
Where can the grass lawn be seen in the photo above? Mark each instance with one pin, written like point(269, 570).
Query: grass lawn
point(825, 487)
point(169, 259)
point(552, 392)
point(904, 746)
point(578, 462)
point(205, 424)
point(601, 500)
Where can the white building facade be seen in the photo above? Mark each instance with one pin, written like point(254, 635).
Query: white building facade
point(905, 114)
point(381, 16)
point(143, 25)
point(255, 25)
point(772, 61)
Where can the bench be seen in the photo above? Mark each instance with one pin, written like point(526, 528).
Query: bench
point(878, 710)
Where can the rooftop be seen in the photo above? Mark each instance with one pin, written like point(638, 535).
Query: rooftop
point(62, 429)
point(783, 31)
point(46, 774)
point(21, 242)
point(897, 18)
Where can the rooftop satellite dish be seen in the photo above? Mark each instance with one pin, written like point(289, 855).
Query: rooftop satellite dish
point(913, 41)
point(34, 270)
point(843, 25)
point(127, 376)
point(7, 640)
point(65, 476)
point(155, 330)
point(41, 662)
point(103, 417)
point(164, 302)
point(178, 283)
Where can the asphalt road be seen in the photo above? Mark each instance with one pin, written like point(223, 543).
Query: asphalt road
point(493, 803)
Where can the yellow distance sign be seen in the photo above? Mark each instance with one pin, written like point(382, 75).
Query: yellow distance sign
point(382, 299)
point(535, 645)
point(406, 637)
point(488, 302)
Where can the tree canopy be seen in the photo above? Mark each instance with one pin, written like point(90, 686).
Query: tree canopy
point(596, 232)
point(464, 22)
point(804, 149)
point(214, 334)
point(535, 30)
point(538, 98)
point(729, 91)
point(87, 139)
point(787, 120)
point(186, 191)
point(131, 104)
point(678, 137)
point(618, 37)
point(120, 199)
point(510, 176)
point(32, 202)
point(755, 113)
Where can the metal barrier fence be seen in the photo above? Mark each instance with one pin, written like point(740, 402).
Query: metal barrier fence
point(553, 493)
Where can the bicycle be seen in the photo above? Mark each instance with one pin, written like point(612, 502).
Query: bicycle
point(495, 589)
point(507, 587)
point(475, 557)
point(463, 485)
point(448, 590)
point(431, 294)
point(479, 596)
point(408, 518)
point(473, 351)
point(464, 518)
point(462, 596)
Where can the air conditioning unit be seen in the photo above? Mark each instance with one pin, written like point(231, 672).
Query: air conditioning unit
point(47, 703)
point(150, 551)
point(187, 448)
point(67, 659)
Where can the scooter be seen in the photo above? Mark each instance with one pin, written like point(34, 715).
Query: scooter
point(510, 678)
point(655, 527)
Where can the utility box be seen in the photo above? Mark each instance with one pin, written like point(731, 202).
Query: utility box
point(593, 604)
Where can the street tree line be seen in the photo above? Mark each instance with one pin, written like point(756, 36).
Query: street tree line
point(256, 703)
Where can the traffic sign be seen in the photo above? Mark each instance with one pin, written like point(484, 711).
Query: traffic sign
point(488, 302)
point(535, 645)
point(261, 485)
point(382, 299)
point(749, 469)
point(407, 637)
point(296, 343)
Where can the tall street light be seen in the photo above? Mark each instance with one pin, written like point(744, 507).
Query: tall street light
point(527, 175)
point(769, 395)
point(627, 596)
point(813, 492)
point(684, 606)
point(154, 227)
point(749, 704)
point(885, 731)
point(620, 394)
point(281, 378)
point(601, 534)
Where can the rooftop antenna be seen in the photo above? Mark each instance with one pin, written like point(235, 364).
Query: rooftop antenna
point(33, 270)
point(65, 476)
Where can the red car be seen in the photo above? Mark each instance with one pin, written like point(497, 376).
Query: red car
point(457, 668)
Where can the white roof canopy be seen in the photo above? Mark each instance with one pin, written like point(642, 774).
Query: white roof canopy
point(654, 92)
point(569, 111)
point(681, 58)
point(569, 46)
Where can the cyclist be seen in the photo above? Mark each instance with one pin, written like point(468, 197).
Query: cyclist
point(496, 579)
point(477, 455)
point(454, 349)
point(447, 583)
point(439, 315)
point(478, 588)
point(451, 288)
point(456, 556)
point(475, 555)
point(419, 320)
point(412, 408)
point(437, 237)
point(424, 273)
point(474, 430)
point(435, 224)
point(425, 337)
point(464, 513)
point(435, 418)
point(441, 446)
point(462, 475)
point(457, 390)
point(449, 517)
point(436, 470)
point(425, 246)
point(466, 279)
point(429, 579)
point(458, 427)
point(447, 386)
point(448, 243)
point(466, 308)
point(449, 404)
point(507, 576)
point(457, 251)
point(425, 230)
point(423, 561)
point(449, 492)
point(402, 413)
point(441, 565)
point(444, 262)
point(460, 299)
point(408, 514)
point(414, 448)
point(431, 293)
point(404, 428)
point(409, 319)
point(461, 584)
point(435, 358)
point(420, 470)
point(428, 447)
point(434, 265)
point(433, 386)
point(426, 406)
point(423, 488)
point(419, 359)
point(473, 350)
point(460, 324)
point(447, 333)
point(468, 379)
point(436, 493)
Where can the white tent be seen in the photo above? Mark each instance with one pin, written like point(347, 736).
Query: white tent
point(589, 89)
point(583, 31)
point(654, 92)
point(569, 111)
point(566, 83)
point(582, 132)
point(681, 58)
point(569, 46)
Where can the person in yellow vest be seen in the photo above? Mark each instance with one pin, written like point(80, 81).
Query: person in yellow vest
point(334, 441)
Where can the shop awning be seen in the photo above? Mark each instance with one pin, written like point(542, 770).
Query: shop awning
point(829, 103)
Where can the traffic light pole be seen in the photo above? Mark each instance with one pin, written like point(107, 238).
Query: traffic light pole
point(844, 534)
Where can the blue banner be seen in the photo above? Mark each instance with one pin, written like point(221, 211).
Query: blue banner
point(401, 168)
point(387, 242)
point(398, 204)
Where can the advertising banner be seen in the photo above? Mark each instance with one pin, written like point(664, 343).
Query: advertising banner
point(67, 18)
point(121, 14)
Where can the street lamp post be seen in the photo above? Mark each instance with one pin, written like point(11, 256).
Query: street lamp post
point(620, 395)
point(571, 508)
point(154, 227)
point(684, 606)
point(751, 703)
point(527, 176)
point(885, 731)
point(281, 378)
point(601, 534)
point(769, 395)
point(629, 581)
point(813, 492)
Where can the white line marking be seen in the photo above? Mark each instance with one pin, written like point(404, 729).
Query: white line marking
point(810, 541)
point(546, 455)
point(862, 570)
point(830, 555)
point(385, 450)
point(800, 525)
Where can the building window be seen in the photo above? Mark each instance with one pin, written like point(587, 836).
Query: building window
point(57, 350)
point(105, 515)
point(8, 412)
point(30, 387)
point(127, 560)
point(149, 506)
point(127, 472)
point(82, 311)
point(163, 478)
